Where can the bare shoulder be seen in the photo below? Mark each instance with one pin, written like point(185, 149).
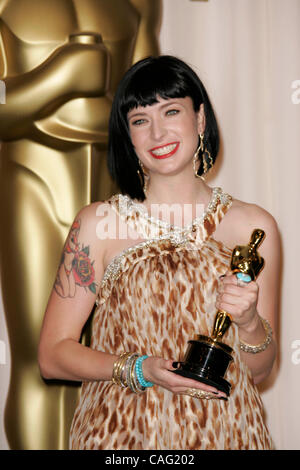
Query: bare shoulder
point(82, 260)
point(94, 216)
point(240, 221)
point(106, 231)
point(93, 209)
point(252, 215)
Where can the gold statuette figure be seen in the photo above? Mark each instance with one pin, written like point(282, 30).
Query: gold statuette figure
point(61, 61)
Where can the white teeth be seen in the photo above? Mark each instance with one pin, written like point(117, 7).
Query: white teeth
point(164, 150)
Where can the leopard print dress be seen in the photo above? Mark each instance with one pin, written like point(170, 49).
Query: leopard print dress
point(154, 297)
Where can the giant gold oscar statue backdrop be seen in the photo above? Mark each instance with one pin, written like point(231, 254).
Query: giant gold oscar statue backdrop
point(61, 61)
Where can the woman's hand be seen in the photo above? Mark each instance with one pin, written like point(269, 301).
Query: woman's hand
point(159, 372)
point(239, 300)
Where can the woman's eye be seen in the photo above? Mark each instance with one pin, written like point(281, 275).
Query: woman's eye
point(172, 111)
point(138, 122)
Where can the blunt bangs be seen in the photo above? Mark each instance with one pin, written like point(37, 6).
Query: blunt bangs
point(159, 78)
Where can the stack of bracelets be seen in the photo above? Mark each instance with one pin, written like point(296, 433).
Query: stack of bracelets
point(127, 369)
point(127, 372)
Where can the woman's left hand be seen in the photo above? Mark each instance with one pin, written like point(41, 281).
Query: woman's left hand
point(238, 299)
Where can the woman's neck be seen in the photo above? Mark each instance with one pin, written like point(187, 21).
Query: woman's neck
point(177, 190)
point(177, 201)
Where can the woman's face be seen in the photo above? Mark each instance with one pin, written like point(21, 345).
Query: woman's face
point(165, 134)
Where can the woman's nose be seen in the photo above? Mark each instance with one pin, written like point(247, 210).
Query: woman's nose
point(158, 129)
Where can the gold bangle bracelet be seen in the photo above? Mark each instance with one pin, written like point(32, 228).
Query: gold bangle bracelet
point(131, 377)
point(134, 385)
point(118, 369)
point(254, 349)
point(124, 373)
point(127, 371)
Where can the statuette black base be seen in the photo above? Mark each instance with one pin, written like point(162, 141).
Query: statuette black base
point(207, 360)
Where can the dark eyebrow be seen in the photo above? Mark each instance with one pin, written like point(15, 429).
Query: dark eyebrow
point(136, 114)
point(163, 105)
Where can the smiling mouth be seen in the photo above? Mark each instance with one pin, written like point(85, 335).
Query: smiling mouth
point(164, 151)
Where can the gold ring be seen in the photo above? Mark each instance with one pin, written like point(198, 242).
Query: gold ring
point(196, 393)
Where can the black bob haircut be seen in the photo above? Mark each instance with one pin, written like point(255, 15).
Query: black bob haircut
point(165, 77)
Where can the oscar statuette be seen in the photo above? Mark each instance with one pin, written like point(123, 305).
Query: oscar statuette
point(207, 357)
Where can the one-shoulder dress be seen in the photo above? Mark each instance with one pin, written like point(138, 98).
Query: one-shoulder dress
point(154, 297)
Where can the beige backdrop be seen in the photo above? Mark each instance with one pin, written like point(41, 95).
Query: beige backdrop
point(247, 53)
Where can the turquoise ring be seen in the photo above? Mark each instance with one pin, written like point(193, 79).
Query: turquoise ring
point(243, 277)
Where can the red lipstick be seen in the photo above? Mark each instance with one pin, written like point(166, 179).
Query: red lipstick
point(165, 155)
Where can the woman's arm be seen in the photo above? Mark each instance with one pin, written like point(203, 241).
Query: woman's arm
point(257, 299)
point(60, 355)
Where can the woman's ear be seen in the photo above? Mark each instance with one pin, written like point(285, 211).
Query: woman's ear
point(201, 119)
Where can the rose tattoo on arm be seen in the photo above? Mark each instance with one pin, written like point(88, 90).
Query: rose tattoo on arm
point(76, 267)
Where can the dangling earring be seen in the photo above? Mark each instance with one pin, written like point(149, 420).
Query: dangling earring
point(144, 178)
point(196, 159)
point(207, 161)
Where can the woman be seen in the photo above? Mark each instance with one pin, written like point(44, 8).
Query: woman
point(157, 279)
